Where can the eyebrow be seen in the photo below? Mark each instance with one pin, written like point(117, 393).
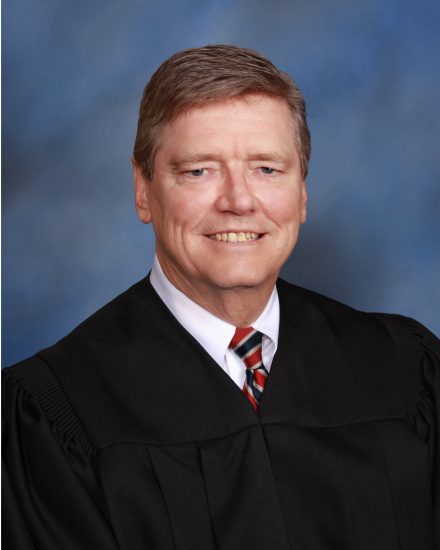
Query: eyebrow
point(272, 157)
point(178, 163)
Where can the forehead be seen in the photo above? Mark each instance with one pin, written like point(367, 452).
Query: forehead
point(259, 118)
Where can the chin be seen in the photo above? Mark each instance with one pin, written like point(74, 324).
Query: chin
point(244, 280)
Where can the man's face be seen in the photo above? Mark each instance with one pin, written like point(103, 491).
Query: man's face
point(227, 196)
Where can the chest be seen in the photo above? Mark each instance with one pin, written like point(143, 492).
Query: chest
point(360, 486)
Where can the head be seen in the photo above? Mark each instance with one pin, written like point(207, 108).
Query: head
point(220, 163)
point(200, 76)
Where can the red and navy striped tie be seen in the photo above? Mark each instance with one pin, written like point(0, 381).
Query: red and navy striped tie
point(247, 344)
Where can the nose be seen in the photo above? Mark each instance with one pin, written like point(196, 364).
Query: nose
point(236, 195)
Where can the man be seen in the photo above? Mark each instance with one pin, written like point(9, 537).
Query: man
point(212, 406)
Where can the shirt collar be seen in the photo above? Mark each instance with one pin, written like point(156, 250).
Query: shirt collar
point(202, 324)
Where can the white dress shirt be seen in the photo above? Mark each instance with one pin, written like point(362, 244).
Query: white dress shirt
point(214, 334)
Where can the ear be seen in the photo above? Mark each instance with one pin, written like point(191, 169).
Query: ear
point(303, 202)
point(141, 194)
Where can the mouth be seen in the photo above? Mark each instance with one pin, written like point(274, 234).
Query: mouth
point(233, 237)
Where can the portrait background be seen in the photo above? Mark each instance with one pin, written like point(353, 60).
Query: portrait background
point(73, 74)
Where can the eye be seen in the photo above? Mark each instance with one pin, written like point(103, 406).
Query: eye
point(267, 170)
point(197, 172)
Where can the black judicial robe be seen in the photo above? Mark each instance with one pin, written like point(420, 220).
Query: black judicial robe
point(126, 434)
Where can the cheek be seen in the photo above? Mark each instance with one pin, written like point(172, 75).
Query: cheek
point(189, 203)
point(283, 208)
point(177, 211)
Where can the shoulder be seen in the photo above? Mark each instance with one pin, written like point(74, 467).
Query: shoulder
point(395, 343)
point(408, 336)
point(295, 296)
point(119, 315)
point(418, 354)
point(105, 357)
point(132, 316)
point(31, 393)
point(112, 326)
point(402, 330)
point(320, 312)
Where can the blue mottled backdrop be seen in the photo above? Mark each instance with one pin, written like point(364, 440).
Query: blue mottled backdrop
point(73, 73)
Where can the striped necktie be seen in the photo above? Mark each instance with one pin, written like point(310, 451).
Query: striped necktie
point(247, 344)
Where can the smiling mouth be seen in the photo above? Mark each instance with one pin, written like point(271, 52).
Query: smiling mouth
point(241, 237)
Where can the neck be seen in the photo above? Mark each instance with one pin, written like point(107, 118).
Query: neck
point(239, 305)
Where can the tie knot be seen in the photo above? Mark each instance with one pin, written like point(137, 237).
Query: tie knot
point(246, 343)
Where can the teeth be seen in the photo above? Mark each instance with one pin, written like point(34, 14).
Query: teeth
point(241, 237)
point(234, 237)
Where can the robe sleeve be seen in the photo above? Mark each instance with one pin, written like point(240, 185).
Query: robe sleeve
point(51, 498)
point(426, 414)
point(418, 352)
